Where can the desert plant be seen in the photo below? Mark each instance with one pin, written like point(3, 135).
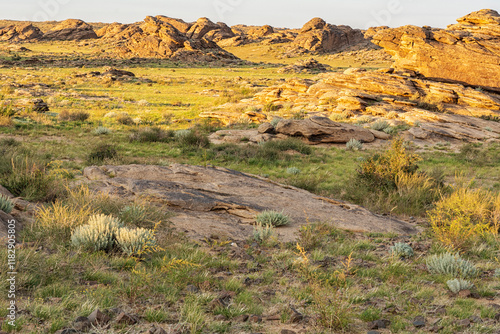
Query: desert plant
point(272, 218)
point(451, 265)
point(293, 171)
point(125, 120)
point(6, 204)
point(271, 107)
point(150, 135)
point(380, 125)
point(456, 285)
point(189, 140)
point(102, 152)
point(363, 119)
point(133, 213)
point(101, 130)
point(354, 145)
point(76, 116)
point(401, 249)
point(262, 233)
point(136, 242)
point(99, 234)
point(275, 121)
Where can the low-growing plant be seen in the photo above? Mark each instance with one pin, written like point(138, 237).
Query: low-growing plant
point(275, 121)
point(98, 235)
point(133, 213)
point(262, 233)
point(271, 107)
point(456, 285)
point(363, 119)
point(6, 204)
point(102, 152)
point(451, 265)
point(136, 242)
point(190, 140)
point(153, 134)
point(380, 125)
point(293, 171)
point(101, 130)
point(354, 145)
point(76, 116)
point(401, 249)
point(125, 120)
point(272, 218)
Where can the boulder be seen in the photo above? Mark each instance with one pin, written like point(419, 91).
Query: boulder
point(23, 32)
point(71, 30)
point(212, 200)
point(467, 52)
point(317, 35)
point(201, 28)
point(310, 65)
point(263, 31)
point(111, 31)
point(318, 130)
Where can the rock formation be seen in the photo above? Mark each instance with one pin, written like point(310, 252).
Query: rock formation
point(164, 37)
point(208, 201)
point(467, 52)
point(305, 66)
point(317, 35)
point(23, 32)
point(71, 30)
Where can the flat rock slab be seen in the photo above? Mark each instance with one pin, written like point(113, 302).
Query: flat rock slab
point(218, 201)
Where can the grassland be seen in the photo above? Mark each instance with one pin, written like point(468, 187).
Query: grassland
point(329, 281)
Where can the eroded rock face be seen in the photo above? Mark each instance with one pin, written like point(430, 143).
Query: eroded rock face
point(208, 201)
point(305, 66)
point(467, 52)
point(317, 35)
point(23, 32)
point(160, 37)
point(71, 30)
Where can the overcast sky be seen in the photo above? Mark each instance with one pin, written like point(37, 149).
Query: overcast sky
point(278, 13)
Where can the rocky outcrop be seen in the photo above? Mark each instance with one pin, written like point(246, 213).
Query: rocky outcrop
point(111, 31)
point(23, 32)
point(71, 30)
point(317, 35)
point(218, 201)
point(158, 37)
point(467, 52)
point(305, 66)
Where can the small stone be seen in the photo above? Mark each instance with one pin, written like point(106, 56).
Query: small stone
point(124, 318)
point(419, 321)
point(220, 317)
point(241, 318)
point(463, 323)
point(192, 289)
point(97, 318)
point(464, 294)
point(296, 316)
point(82, 324)
point(255, 319)
point(266, 128)
point(379, 324)
point(157, 330)
point(497, 317)
point(287, 331)
point(475, 319)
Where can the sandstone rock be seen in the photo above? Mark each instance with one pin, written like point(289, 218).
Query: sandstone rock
point(261, 31)
point(318, 130)
point(266, 128)
point(467, 52)
point(305, 66)
point(317, 35)
point(111, 31)
point(40, 106)
point(71, 30)
point(201, 28)
point(231, 117)
point(127, 319)
point(23, 32)
point(240, 137)
point(98, 318)
point(207, 201)
point(5, 192)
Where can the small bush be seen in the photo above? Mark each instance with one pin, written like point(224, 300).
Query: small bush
point(272, 218)
point(354, 145)
point(76, 116)
point(101, 130)
point(151, 135)
point(401, 249)
point(133, 214)
point(102, 152)
point(99, 234)
point(451, 265)
point(293, 171)
point(262, 233)
point(192, 140)
point(125, 120)
point(6, 204)
point(271, 107)
point(290, 144)
point(275, 121)
point(380, 125)
point(363, 119)
point(136, 242)
point(458, 284)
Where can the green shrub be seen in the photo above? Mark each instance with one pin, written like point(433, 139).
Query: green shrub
point(189, 140)
point(76, 116)
point(125, 120)
point(451, 265)
point(401, 249)
point(150, 135)
point(275, 121)
point(99, 234)
point(271, 107)
point(293, 171)
point(380, 125)
point(262, 233)
point(458, 284)
point(136, 242)
point(133, 214)
point(101, 130)
point(272, 218)
point(290, 144)
point(102, 152)
point(353, 145)
point(6, 204)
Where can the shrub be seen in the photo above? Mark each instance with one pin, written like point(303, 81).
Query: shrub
point(6, 204)
point(456, 285)
point(272, 218)
point(101, 130)
point(150, 135)
point(293, 171)
point(133, 213)
point(271, 107)
point(102, 152)
point(76, 116)
point(275, 121)
point(464, 215)
point(136, 242)
point(192, 140)
point(290, 144)
point(99, 234)
point(125, 120)
point(380, 125)
point(451, 265)
point(262, 233)
point(401, 249)
point(353, 145)
point(363, 119)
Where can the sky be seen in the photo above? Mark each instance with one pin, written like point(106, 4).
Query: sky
point(278, 13)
